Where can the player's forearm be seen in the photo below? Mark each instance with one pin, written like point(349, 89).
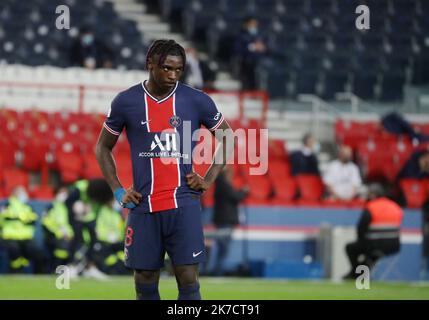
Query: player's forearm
point(221, 156)
point(108, 166)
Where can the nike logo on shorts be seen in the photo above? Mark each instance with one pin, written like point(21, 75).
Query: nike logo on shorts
point(144, 122)
point(196, 254)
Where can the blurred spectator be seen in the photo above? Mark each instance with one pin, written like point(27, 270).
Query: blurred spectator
point(58, 231)
point(84, 203)
point(342, 177)
point(89, 52)
point(250, 48)
point(198, 73)
point(17, 230)
point(305, 161)
point(109, 249)
point(394, 123)
point(225, 218)
point(417, 167)
point(378, 231)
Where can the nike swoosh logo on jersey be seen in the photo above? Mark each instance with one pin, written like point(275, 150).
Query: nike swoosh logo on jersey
point(144, 122)
point(196, 254)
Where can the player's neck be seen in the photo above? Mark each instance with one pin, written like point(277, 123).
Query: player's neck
point(155, 90)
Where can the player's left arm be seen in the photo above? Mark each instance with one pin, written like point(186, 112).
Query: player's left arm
point(222, 154)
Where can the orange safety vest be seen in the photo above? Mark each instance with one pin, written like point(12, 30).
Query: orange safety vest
point(386, 218)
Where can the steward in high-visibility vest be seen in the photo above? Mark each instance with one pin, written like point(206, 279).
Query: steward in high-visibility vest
point(58, 230)
point(110, 230)
point(17, 231)
point(378, 231)
point(86, 198)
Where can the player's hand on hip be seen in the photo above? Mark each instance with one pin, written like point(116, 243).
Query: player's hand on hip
point(196, 182)
point(128, 198)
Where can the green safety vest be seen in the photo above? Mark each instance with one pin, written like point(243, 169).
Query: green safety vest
point(82, 186)
point(56, 221)
point(110, 226)
point(18, 221)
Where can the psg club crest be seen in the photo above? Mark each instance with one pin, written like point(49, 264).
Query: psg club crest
point(175, 121)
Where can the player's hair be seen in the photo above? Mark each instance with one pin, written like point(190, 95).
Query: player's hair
point(99, 191)
point(163, 48)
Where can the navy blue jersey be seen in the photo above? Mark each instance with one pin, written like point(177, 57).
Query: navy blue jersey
point(159, 133)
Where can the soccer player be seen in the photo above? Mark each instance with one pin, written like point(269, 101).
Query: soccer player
point(164, 201)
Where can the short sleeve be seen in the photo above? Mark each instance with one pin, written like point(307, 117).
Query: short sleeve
point(115, 119)
point(210, 116)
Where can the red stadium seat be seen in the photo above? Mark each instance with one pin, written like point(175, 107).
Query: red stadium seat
point(415, 192)
point(8, 152)
point(42, 192)
point(34, 154)
point(14, 177)
point(371, 159)
point(260, 189)
point(91, 168)
point(279, 170)
point(124, 169)
point(310, 189)
point(69, 162)
point(277, 150)
point(285, 190)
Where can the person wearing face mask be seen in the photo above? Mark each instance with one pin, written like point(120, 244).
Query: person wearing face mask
point(17, 229)
point(250, 47)
point(89, 52)
point(57, 229)
point(305, 161)
point(342, 177)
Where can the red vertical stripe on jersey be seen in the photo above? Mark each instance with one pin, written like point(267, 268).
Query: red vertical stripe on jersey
point(165, 177)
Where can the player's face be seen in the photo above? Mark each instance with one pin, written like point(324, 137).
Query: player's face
point(167, 74)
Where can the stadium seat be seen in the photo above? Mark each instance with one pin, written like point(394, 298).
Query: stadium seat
point(42, 192)
point(415, 192)
point(260, 189)
point(14, 177)
point(310, 188)
point(69, 162)
point(91, 168)
point(285, 191)
point(277, 150)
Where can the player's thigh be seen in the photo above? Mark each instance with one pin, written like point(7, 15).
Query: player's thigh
point(144, 249)
point(146, 276)
point(185, 242)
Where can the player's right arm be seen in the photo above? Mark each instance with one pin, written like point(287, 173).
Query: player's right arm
point(106, 142)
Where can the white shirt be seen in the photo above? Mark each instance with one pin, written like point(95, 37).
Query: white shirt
point(343, 178)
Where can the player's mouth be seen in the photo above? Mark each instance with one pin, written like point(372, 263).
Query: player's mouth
point(170, 84)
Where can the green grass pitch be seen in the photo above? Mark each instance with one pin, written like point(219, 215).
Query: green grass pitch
point(43, 287)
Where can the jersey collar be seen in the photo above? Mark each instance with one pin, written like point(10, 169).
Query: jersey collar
point(163, 99)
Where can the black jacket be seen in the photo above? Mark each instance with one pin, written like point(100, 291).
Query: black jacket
point(226, 202)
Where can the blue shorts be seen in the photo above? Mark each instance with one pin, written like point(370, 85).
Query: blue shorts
point(179, 232)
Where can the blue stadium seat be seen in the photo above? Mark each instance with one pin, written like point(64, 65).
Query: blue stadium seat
point(364, 83)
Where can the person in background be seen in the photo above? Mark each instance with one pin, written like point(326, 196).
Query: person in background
point(89, 52)
point(416, 167)
point(17, 233)
point(342, 177)
point(84, 202)
point(109, 248)
point(57, 229)
point(226, 216)
point(198, 73)
point(250, 47)
point(378, 231)
point(305, 161)
point(395, 123)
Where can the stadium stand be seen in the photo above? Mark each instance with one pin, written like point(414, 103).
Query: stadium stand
point(314, 47)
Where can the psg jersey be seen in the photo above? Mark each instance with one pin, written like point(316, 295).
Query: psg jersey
point(159, 132)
